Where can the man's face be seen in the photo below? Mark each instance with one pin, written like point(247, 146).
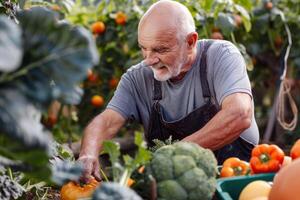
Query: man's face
point(163, 52)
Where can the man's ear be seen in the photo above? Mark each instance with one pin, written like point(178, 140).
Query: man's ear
point(192, 39)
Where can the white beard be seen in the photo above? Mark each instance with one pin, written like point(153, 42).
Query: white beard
point(167, 75)
point(170, 72)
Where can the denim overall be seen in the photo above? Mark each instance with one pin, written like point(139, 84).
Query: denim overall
point(162, 130)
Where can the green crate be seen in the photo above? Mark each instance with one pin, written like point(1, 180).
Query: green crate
point(230, 188)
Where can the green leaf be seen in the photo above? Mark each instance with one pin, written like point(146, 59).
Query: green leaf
point(11, 51)
point(242, 11)
point(8, 163)
point(217, 9)
point(34, 162)
point(128, 160)
point(56, 58)
point(247, 23)
point(22, 3)
point(143, 155)
point(67, 4)
point(245, 3)
point(225, 22)
point(64, 171)
point(245, 17)
point(20, 120)
point(113, 150)
point(206, 5)
point(138, 139)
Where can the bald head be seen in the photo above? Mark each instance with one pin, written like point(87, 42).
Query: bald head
point(169, 17)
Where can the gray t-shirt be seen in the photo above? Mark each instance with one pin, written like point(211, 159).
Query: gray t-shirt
point(226, 74)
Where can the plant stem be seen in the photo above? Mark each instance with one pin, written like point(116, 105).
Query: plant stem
point(10, 173)
point(233, 37)
point(205, 31)
point(271, 41)
point(124, 178)
point(104, 175)
point(52, 57)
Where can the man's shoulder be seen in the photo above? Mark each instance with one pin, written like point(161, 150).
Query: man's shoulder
point(222, 46)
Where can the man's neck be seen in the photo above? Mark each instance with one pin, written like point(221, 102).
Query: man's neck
point(186, 67)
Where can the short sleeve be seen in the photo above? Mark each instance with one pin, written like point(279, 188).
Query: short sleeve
point(229, 72)
point(123, 99)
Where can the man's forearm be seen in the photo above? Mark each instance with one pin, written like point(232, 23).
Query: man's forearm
point(223, 128)
point(103, 127)
point(94, 134)
point(217, 133)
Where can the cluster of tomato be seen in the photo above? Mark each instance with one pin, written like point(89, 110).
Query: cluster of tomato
point(98, 28)
point(265, 158)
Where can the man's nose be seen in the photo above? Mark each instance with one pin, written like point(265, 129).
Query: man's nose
point(150, 58)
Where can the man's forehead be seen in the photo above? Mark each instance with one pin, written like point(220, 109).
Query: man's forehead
point(164, 38)
point(151, 31)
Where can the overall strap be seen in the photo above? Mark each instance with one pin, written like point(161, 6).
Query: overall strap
point(157, 94)
point(203, 71)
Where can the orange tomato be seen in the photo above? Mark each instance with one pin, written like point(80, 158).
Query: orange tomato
point(141, 169)
point(217, 36)
point(278, 41)
point(254, 61)
point(130, 182)
point(97, 101)
point(238, 20)
point(98, 27)
point(121, 18)
point(56, 7)
point(50, 121)
point(269, 5)
point(295, 150)
point(113, 83)
point(215, 29)
point(74, 191)
point(234, 167)
point(92, 77)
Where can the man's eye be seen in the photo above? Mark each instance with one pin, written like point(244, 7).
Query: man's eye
point(162, 50)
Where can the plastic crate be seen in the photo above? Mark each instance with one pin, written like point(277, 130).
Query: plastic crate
point(230, 188)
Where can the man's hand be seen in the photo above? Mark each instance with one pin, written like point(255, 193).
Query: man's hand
point(91, 167)
point(103, 127)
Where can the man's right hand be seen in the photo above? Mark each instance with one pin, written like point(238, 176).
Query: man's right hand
point(91, 167)
point(103, 127)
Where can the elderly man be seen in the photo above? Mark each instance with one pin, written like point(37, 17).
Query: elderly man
point(193, 90)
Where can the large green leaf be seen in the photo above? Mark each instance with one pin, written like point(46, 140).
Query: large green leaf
point(113, 150)
point(206, 5)
point(33, 161)
point(225, 22)
point(64, 171)
point(245, 17)
point(20, 120)
point(10, 45)
point(56, 58)
point(245, 3)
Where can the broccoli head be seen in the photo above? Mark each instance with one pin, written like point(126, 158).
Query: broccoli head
point(184, 170)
